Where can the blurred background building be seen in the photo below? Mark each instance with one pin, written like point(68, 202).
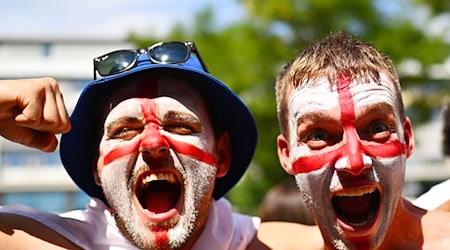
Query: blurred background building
point(28, 176)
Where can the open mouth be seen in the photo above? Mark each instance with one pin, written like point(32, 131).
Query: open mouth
point(357, 207)
point(158, 192)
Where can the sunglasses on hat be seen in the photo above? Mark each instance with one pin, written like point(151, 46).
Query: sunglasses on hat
point(160, 53)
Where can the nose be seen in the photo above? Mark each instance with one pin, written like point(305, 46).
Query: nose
point(153, 143)
point(347, 164)
point(354, 159)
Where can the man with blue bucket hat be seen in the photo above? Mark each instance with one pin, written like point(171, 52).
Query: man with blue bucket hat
point(156, 142)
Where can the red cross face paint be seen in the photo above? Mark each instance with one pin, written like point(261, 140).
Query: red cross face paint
point(348, 152)
point(152, 153)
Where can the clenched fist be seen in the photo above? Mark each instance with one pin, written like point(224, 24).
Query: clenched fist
point(32, 112)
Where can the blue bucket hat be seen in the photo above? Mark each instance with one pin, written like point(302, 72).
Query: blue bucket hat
point(79, 147)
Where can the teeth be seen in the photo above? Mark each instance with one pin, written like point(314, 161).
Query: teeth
point(356, 192)
point(169, 177)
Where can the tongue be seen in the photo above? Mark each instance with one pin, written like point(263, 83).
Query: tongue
point(159, 197)
point(354, 209)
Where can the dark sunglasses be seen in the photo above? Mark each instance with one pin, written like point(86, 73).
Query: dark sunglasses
point(160, 53)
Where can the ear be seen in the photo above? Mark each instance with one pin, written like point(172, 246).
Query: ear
point(409, 137)
point(95, 172)
point(283, 154)
point(223, 155)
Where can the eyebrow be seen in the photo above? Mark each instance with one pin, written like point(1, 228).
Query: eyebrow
point(176, 115)
point(383, 108)
point(315, 117)
point(122, 120)
point(371, 109)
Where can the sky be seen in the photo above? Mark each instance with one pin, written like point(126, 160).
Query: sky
point(110, 19)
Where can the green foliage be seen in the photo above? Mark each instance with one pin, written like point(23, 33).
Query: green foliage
point(247, 56)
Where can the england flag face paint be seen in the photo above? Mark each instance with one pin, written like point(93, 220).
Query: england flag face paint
point(157, 163)
point(347, 149)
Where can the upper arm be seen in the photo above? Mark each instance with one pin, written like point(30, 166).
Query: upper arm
point(18, 232)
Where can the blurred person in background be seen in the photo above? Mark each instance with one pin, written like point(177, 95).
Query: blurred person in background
point(283, 202)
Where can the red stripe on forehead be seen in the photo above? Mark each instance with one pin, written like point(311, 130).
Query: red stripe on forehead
point(345, 99)
point(194, 152)
point(347, 106)
point(149, 109)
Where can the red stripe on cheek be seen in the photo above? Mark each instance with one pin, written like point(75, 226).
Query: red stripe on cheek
point(389, 149)
point(194, 152)
point(311, 163)
point(120, 152)
point(180, 147)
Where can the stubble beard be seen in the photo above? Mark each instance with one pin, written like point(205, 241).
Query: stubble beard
point(199, 183)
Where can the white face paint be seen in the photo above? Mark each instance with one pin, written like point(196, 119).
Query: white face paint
point(157, 164)
point(348, 154)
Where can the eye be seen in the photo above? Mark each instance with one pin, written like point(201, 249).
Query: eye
point(378, 131)
point(318, 139)
point(125, 133)
point(182, 129)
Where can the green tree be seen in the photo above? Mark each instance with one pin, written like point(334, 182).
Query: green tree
point(248, 55)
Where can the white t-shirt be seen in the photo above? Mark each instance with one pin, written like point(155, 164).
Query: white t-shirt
point(95, 228)
point(436, 196)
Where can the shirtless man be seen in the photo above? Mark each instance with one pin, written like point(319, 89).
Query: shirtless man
point(345, 138)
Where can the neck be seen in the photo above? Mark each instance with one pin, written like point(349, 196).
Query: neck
point(405, 229)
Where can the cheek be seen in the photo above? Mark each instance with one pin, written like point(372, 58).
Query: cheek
point(111, 150)
point(391, 167)
point(307, 161)
point(194, 152)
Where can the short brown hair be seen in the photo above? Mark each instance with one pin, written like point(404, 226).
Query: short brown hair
point(336, 54)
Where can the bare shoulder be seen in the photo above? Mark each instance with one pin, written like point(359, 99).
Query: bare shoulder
point(287, 235)
point(17, 232)
point(436, 229)
point(444, 206)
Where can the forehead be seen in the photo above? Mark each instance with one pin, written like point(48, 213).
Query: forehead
point(151, 87)
point(323, 95)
